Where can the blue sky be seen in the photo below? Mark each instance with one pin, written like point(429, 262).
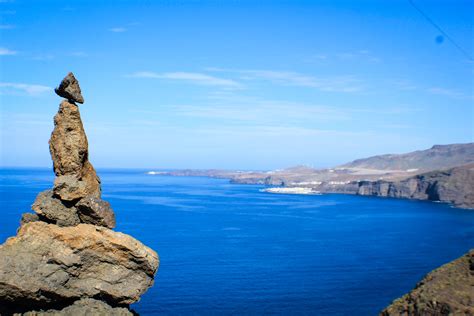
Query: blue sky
point(237, 84)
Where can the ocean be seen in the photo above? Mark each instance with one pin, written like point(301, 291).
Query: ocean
point(230, 249)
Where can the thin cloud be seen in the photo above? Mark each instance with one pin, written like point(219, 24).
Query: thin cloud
point(289, 78)
point(79, 54)
point(404, 85)
point(190, 77)
point(43, 57)
point(454, 94)
point(363, 54)
point(6, 26)
point(118, 29)
point(29, 89)
point(5, 51)
point(351, 56)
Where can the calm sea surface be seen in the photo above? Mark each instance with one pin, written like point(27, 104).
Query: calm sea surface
point(230, 249)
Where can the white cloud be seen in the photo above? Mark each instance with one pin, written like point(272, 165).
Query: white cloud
point(118, 29)
point(191, 77)
point(5, 51)
point(30, 89)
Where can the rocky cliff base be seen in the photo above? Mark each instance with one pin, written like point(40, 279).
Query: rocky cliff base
point(83, 307)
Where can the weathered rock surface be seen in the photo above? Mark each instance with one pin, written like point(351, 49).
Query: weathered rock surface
point(46, 265)
point(448, 290)
point(53, 210)
point(69, 188)
point(96, 212)
point(83, 307)
point(69, 88)
point(69, 150)
point(28, 218)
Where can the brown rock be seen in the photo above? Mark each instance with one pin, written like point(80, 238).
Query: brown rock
point(55, 211)
point(447, 290)
point(46, 265)
point(69, 188)
point(91, 180)
point(69, 89)
point(83, 307)
point(68, 144)
point(69, 148)
point(96, 212)
point(28, 218)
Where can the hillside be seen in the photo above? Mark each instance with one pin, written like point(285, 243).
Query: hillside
point(444, 291)
point(437, 157)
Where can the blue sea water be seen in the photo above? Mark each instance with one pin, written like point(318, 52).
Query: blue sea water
point(231, 249)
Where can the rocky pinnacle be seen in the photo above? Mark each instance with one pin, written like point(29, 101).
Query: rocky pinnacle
point(66, 255)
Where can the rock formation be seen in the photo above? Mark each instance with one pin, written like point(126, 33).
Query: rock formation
point(65, 258)
point(447, 290)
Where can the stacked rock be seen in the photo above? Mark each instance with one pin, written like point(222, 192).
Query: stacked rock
point(66, 252)
point(75, 197)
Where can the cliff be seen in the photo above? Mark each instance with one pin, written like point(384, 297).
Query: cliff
point(454, 186)
point(447, 290)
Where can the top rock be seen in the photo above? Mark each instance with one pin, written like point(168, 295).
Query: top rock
point(69, 89)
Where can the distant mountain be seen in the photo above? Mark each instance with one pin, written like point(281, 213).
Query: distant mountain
point(437, 157)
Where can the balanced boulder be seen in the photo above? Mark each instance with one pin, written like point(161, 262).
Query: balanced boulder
point(69, 89)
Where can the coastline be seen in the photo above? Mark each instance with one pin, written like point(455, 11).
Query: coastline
point(291, 190)
point(454, 186)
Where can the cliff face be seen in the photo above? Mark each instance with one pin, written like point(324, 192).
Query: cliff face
point(66, 255)
point(447, 290)
point(455, 186)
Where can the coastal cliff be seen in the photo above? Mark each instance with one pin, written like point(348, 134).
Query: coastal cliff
point(65, 258)
point(454, 186)
point(447, 290)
